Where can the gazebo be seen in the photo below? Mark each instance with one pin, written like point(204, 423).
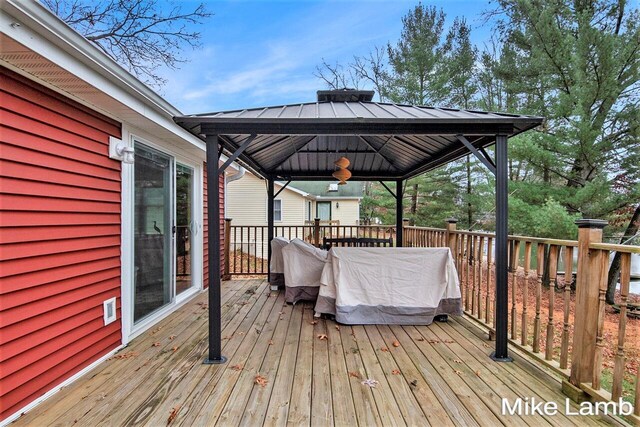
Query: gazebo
point(383, 141)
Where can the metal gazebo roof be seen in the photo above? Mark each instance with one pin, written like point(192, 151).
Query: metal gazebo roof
point(382, 140)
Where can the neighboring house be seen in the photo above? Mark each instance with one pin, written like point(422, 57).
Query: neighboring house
point(299, 203)
point(97, 244)
point(330, 201)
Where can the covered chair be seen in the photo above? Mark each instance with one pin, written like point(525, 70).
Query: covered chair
point(303, 264)
point(276, 275)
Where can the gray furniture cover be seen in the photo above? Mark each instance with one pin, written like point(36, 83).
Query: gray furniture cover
point(402, 286)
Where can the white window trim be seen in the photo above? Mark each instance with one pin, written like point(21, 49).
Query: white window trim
point(274, 215)
point(129, 330)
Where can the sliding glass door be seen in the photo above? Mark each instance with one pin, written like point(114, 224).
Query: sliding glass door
point(153, 281)
point(185, 221)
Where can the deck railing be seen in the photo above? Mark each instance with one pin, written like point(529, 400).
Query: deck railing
point(246, 245)
point(557, 291)
point(600, 255)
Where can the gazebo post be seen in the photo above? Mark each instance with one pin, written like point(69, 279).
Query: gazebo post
point(270, 198)
point(213, 217)
point(399, 212)
point(501, 353)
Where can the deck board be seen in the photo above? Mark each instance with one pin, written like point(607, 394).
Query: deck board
point(437, 375)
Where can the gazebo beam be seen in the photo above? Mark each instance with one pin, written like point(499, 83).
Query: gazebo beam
point(358, 127)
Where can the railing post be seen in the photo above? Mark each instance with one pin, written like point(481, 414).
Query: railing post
point(586, 318)
point(316, 232)
point(227, 249)
point(452, 237)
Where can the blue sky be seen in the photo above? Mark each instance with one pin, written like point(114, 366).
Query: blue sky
point(257, 53)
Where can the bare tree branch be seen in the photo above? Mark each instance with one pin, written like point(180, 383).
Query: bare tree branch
point(141, 35)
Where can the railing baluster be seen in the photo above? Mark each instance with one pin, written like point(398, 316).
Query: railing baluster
point(514, 288)
point(603, 261)
point(480, 259)
point(472, 275)
point(235, 249)
point(618, 370)
point(489, 300)
point(537, 322)
point(525, 294)
point(568, 275)
point(553, 269)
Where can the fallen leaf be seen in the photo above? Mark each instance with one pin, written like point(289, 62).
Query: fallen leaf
point(396, 344)
point(354, 374)
point(485, 345)
point(457, 372)
point(156, 344)
point(384, 349)
point(241, 333)
point(337, 328)
point(260, 380)
point(126, 355)
point(478, 374)
point(322, 337)
point(236, 367)
point(313, 322)
point(370, 382)
point(433, 341)
point(270, 342)
point(395, 372)
point(172, 337)
point(420, 339)
point(175, 349)
point(414, 383)
point(449, 341)
point(457, 361)
point(173, 414)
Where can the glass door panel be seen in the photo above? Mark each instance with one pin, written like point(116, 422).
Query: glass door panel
point(184, 223)
point(152, 227)
point(323, 210)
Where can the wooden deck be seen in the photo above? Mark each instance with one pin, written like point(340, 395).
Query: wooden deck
point(313, 371)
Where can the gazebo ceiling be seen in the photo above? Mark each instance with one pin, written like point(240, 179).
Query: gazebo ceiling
point(382, 140)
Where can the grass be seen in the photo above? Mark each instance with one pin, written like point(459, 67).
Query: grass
point(628, 384)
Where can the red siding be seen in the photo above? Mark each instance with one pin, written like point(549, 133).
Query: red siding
point(59, 239)
point(206, 227)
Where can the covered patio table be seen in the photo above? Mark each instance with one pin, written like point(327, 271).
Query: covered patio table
point(401, 286)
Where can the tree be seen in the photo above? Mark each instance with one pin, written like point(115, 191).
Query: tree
point(416, 59)
point(577, 63)
point(460, 87)
point(141, 35)
point(369, 70)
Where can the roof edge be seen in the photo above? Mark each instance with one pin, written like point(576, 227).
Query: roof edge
point(91, 55)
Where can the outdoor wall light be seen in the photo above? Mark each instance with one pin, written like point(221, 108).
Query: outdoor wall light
point(337, 205)
point(118, 150)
